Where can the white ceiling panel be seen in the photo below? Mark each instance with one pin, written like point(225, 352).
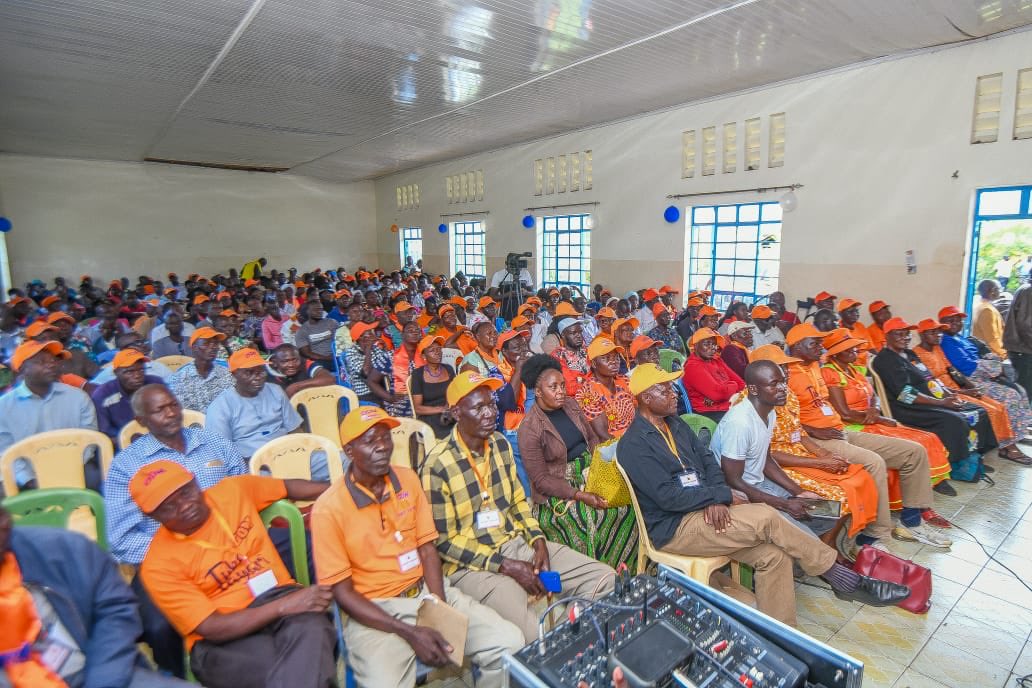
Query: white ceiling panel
point(353, 89)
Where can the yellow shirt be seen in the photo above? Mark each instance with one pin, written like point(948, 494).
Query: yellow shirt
point(987, 326)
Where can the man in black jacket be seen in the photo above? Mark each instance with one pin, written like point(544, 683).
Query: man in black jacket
point(689, 509)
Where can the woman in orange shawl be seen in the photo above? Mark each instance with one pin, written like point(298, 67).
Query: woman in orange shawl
point(607, 403)
point(852, 397)
point(455, 335)
point(934, 359)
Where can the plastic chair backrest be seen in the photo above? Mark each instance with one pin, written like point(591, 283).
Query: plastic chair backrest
point(645, 549)
point(319, 406)
point(879, 389)
point(452, 357)
point(401, 435)
point(290, 456)
point(667, 358)
point(133, 430)
point(174, 362)
point(56, 457)
point(698, 424)
point(61, 507)
point(296, 525)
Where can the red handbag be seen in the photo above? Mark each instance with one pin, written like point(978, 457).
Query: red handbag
point(882, 565)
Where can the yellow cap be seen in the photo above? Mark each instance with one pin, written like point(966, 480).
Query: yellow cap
point(361, 419)
point(466, 382)
point(600, 346)
point(649, 374)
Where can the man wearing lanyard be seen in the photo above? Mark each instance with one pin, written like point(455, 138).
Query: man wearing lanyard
point(374, 539)
point(689, 509)
point(876, 453)
point(214, 573)
point(491, 546)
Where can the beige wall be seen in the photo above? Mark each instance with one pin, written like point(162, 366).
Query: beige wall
point(876, 148)
point(109, 219)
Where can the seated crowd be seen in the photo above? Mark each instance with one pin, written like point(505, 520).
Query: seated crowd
point(521, 399)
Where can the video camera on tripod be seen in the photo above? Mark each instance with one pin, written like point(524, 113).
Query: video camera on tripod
point(511, 289)
point(514, 262)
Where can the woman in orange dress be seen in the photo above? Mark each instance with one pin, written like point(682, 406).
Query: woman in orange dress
point(456, 336)
point(852, 396)
point(607, 403)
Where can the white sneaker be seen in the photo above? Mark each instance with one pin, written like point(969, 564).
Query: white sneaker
point(922, 533)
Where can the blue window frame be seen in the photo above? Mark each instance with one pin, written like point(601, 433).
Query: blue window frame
point(996, 210)
point(734, 251)
point(468, 248)
point(564, 250)
point(411, 244)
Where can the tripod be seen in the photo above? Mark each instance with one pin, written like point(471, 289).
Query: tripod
point(510, 290)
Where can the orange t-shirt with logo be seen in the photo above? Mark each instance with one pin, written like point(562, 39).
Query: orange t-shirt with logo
point(807, 383)
point(190, 577)
point(372, 542)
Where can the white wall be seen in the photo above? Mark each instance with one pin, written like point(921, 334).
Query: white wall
point(875, 147)
point(109, 219)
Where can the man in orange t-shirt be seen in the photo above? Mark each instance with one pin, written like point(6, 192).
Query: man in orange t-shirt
point(875, 453)
point(215, 574)
point(849, 312)
point(374, 542)
point(880, 313)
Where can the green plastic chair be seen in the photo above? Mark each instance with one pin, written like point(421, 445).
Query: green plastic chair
point(667, 358)
point(699, 423)
point(54, 507)
point(296, 525)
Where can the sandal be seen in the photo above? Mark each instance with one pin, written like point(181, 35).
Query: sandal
point(1016, 455)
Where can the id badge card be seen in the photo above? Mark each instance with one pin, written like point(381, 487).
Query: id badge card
point(688, 478)
point(797, 436)
point(263, 582)
point(489, 518)
point(827, 410)
point(408, 560)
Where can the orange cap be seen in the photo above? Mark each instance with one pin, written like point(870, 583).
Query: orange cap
point(774, 353)
point(486, 301)
point(467, 381)
point(402, 306)
point(761, 312)
point(245, 358)
point(37, 328)
point(803, 331)
point(47, 300)
point(667, 289)
point(200, 298)
point(360, 328)
point(847, 303)
point(633, 322)
point(520, 321)
point(600, 346)
point(444, 309)
point(510, 334)
point(206, 333)
point(526, 307)
point(458, 301)
point(534, 301)
point(647, 375)
point(340, 293)
point(250, 283)
point(876, 306)
point(148, 289)
point(708, 310)
point(229, 313)
point(155, 482)
point(893, 324)
point(27, 350)
point(566, 308)
point(649, 294)
point(606, 312)
point(59, 315)
point(361, 419)
point(429, 340)
point(840, 339)
point(824, 296)
point(659, 308)
point(949, 312)
point(706, 333)
point(126, 358)
point(931, 324)
point(641, 342)
point(695, 302)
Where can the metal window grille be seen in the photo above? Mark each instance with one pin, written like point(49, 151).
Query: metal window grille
point(468, 252)
point(565, 250)
point(411, 244)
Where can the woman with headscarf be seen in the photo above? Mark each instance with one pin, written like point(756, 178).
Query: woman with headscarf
point(604, 396)
point(852, 396)
point(429, 385)
point(572, 355)
point(710, 383)
point(556, 442)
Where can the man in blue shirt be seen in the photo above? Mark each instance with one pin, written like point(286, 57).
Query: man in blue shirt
point(112, 398)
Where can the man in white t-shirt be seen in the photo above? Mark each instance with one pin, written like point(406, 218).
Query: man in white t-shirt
point(1004, 268)
point(741, 444)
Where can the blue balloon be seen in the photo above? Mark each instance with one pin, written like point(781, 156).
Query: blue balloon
point(528, 221)
point(5, 224)
point(672, 214)
point(442, 228)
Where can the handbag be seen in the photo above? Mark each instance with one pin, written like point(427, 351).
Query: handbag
point(969, 469)
point(876, 563)
point(604, 477)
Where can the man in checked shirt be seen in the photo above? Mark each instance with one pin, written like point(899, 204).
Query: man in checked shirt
point(491, 547)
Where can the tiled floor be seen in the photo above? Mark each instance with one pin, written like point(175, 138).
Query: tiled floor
point(977, 633)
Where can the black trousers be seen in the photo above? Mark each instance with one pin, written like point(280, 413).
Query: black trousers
point(292, 651)
point(1022, 363)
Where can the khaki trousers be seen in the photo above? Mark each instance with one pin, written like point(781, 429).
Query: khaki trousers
point(385, 659)
point(876, 453)
point(762, 538)
point(580, 575)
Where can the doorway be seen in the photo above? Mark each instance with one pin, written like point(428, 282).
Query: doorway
point(1001, 241)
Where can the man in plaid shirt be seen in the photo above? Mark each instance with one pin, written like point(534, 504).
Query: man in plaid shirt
point(491, 546)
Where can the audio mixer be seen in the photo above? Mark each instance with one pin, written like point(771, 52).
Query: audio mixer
point(661, 633)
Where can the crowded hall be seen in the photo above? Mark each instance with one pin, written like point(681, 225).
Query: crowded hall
point(516, 344)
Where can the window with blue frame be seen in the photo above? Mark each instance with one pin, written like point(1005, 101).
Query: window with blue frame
point(411, 244)
point(1001, 232)
point(564, 251)
point(468, 254)
point(734, 251)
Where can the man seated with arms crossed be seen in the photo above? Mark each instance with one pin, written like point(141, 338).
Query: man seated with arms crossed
point(374, 543)
point(688, 508)
point(295, 374)
point(213, 571)
point(741, 444)
point(492, 547)
point(876, 453)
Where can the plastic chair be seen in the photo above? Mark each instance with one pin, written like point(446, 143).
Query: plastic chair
point(452, 357)
point(667, 358)
point(699, 568)
point(133, 430)
point(879, 389)
point(61, 507)
point(698, 424)
point(174, 362)
point(56, 457)
point(319, 406)
point(402, 435)
point(296, 526)
point(290, 456)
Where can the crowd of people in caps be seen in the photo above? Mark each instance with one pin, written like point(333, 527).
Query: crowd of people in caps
point(730, 424)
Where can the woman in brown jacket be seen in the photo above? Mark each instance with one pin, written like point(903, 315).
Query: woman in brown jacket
point(556, 443)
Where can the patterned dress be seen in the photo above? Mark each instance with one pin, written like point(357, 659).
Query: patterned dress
point(618, 407)
point(575, 367)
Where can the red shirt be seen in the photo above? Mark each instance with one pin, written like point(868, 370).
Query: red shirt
point(710, 384)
